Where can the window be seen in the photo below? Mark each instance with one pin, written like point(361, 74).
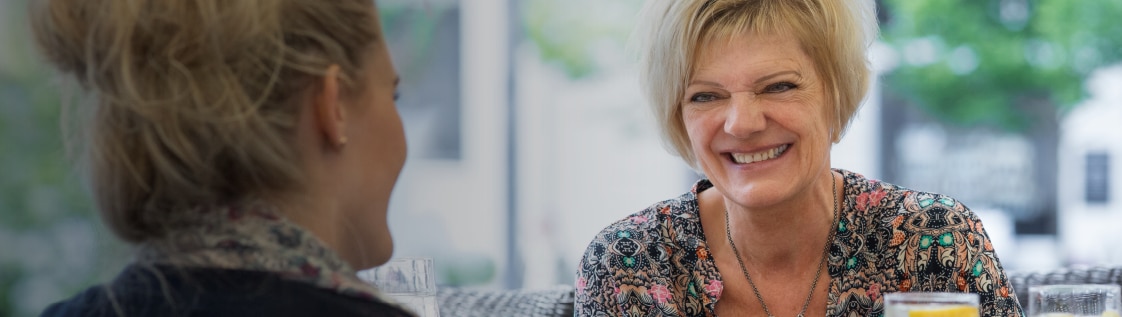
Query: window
point(1098, 178)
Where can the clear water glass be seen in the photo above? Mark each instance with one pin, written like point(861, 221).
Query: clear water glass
point(1097, 300)
point(409, 281)
point(931, 304)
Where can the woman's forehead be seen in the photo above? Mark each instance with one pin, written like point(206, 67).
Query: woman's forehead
point(745, 44)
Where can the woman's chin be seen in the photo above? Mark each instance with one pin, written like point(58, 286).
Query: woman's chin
point(755, 193)
point(382, 252)
point(371, 252)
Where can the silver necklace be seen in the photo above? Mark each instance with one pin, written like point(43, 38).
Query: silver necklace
point(817, 273)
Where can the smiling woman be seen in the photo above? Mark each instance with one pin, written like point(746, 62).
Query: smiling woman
point(753, 94)
point(757, 123)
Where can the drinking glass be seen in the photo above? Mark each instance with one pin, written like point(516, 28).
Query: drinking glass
point(930, 304)
point(409, 281)
point(1074, 300)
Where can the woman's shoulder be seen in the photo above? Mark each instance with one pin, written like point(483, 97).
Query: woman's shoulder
point(909, 221)
point(887, 201)
point(911, 240)
point(640, 241)
point(655, 257)
point(166, 291)
point(672, 219)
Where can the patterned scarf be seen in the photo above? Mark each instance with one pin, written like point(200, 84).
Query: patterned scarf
point(254, 237)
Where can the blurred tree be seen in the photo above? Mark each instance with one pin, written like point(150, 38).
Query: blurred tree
point(51, 240)
point(1013, 65)
point(569, 33)
point(978, 61)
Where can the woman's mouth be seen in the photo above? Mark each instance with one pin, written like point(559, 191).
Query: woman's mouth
point(747, 158)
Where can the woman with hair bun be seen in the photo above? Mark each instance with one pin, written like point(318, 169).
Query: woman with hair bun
point(246, 148)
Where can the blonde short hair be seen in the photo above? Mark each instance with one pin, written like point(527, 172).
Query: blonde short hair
point(835, 34)
point(195, 100)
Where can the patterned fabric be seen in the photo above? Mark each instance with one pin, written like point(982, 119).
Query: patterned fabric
point(253, 237)
point(889, 239)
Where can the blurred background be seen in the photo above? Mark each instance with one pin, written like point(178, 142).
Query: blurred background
point(528, 135)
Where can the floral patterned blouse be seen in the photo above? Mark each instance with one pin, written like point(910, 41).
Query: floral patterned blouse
point(889, 239)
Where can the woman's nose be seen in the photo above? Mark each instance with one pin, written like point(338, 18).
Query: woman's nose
point(744, 115)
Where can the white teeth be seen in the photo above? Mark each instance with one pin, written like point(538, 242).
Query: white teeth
point(745, 158)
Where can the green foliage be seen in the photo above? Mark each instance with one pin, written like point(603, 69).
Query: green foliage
point(50, 237)
point(412, 29)
point(1020, 48)
point(8, 276)
point(566, 33)
point(465, 269)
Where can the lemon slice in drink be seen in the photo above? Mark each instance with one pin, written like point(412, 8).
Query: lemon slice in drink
point(954, 311)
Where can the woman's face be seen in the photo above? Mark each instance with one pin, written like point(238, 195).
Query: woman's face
point(756, 115)
point(376, 140)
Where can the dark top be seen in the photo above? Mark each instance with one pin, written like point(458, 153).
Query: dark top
point(168, 291)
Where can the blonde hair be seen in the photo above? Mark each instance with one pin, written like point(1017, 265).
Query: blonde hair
point(835, 34)
point(196, 100)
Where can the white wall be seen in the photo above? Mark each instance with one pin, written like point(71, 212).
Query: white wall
point(859, 149)
point(589, 155)
point(1089, 232)
point(446, 207)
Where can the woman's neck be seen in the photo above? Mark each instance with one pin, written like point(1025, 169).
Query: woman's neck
point(786, 235)
point(319, 217)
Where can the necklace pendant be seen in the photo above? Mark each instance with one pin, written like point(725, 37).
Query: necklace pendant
point(800, 315)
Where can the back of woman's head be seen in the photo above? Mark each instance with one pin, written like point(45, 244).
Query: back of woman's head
point(196, 101)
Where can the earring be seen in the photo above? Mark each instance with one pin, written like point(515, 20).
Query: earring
point(342, 141)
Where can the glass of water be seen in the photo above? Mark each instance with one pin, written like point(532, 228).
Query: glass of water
point(409, 281)
point(1074, 300)
point(931, 304)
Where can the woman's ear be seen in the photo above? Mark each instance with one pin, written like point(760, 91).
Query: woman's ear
point(329, 110)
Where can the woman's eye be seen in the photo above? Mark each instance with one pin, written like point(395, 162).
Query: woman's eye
point(703, 97)
point(780, 87)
